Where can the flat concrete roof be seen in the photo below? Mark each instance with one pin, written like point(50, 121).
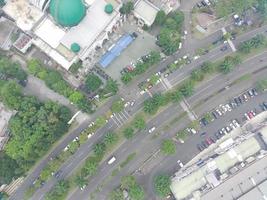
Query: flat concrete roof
point(192, 182)
point(23, 13)
point(146, 11)
point(49, 32)
point(240, 185)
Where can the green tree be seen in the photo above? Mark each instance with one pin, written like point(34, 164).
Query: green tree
point(197, 75)
point(136, 192)
point(168, 147)
point(92, 82)
point(126, 78)
point(34, 66)
point(2, 3)
point(127, 182)
point(110, 138)
point(117, 106)
point(139, 123)
point(76, 97)
point(80, 180)
point(75, 67)
point(176, 96)
point(10, 95)
point(100, 149)
point(9, 169)
point(116, 194)
point(127, 8)
point(160, 18)
point(59, 191)
point(262, 7)
point(152, 104)
point(112, 86)
point(207, 67)
point(187, 88)
point(162, 185)
point(128, 132)
point(90, 167)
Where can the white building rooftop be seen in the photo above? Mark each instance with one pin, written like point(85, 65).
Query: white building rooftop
point(146, 11)
point(23, 13)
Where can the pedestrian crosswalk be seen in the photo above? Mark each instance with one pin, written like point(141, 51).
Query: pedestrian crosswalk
point(120, 118)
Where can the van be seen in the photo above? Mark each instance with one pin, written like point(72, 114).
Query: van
point(111, 160)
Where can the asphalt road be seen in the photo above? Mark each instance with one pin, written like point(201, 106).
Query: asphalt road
point(133, 94)
point(146, 146)
point(169, 164)
point(128, 95)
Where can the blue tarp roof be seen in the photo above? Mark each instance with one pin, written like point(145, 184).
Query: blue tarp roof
point(115, 51)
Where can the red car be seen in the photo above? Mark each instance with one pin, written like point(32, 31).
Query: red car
point(250, 114)
point(209, 141)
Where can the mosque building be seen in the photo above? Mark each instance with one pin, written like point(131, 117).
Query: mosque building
point(66, 30)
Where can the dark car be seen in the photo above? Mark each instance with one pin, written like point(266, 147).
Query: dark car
point(200, 147)
point(264, 104)
point(134, 34)
point(217, 135)
point(254, 91)
point(57, 174)
point(203, 134)
point(204, 144)
point(214, 115)
point(224, 48)
point(204, 122)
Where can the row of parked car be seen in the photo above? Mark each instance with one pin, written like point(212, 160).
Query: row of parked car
point(205, 3)
point(218, 135)
point(235, 102)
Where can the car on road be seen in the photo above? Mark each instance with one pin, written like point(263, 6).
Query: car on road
point(111, 160)
point(219, 112)
point(224, 48)
point(57, 174)
point(214, 115)
point(250, 93)
point(151, 129)
point(246, 116)
point(83, 187)
point(218, 135)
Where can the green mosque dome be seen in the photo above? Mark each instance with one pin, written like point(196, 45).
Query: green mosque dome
point(67, 12)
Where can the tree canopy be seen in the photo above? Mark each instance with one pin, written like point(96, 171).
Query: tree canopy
point(162, 185)
point(92, 82)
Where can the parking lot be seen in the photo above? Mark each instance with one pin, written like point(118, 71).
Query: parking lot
point(229, 116)
point(132, 52)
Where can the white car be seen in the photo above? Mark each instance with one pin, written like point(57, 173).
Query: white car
point(82, 188)
point(152, 129)
point(232, 125)
point(111, 160)
point(66, 148)
point(219, 112)
point(246, 116)
point(180, 163)
point(126, 104)
point(142, 92)
point(193, 131)
point(90, 135)
point(132, 103)
point(236, 123)
point(228, 107)
point(196, 57)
